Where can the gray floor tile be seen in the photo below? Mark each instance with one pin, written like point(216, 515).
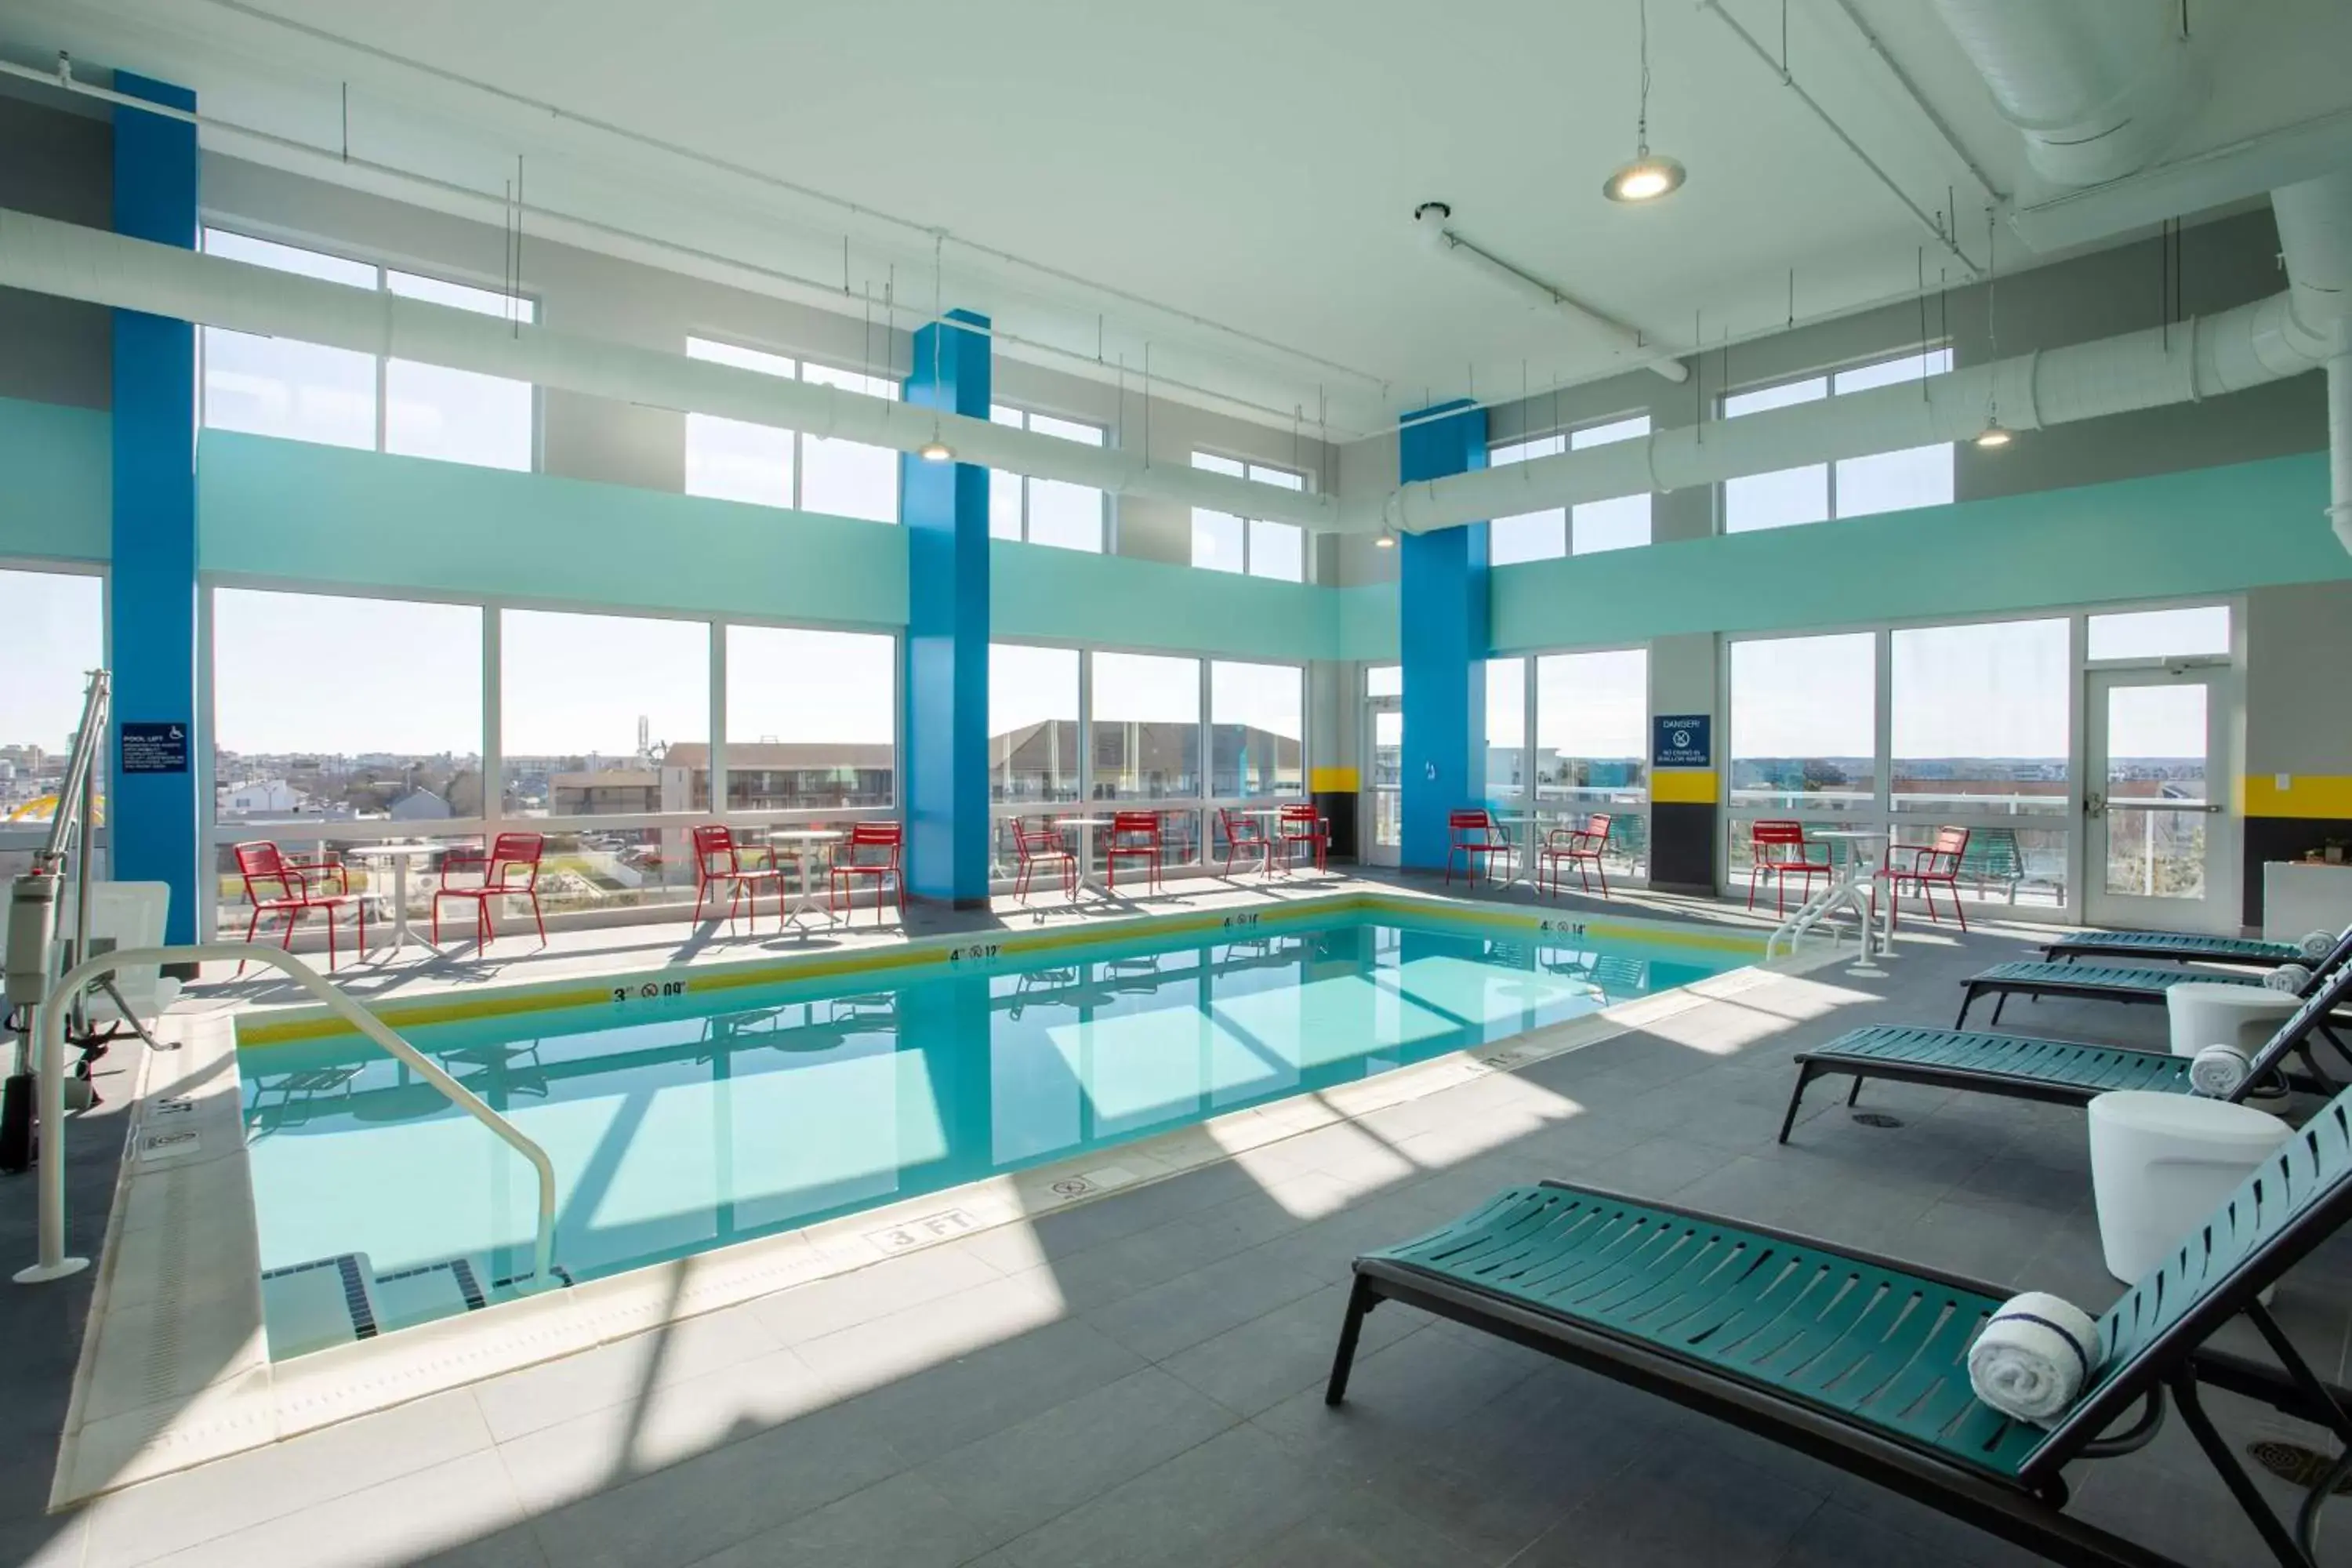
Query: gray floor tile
point(1268, 1359)
point(1199, 1305)
point(903, 1522)
point(1210, 1506)
point(1680, 1503)
point(1020, 1478)
point(447, 1511)
point(956, 1402)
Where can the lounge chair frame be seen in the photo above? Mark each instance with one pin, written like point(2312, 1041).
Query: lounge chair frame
point(2029, 1511)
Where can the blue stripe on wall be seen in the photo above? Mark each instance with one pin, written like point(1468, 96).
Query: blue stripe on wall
point(152, 818)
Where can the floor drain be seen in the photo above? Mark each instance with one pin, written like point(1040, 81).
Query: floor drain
point(2294, 1463)
point(1877, 1119)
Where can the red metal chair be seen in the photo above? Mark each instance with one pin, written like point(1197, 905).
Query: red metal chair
point(1134, 835)
point(276, 886)
point(1302, 827)
point(1244, 836)
point(1777, 850)
point(510, 870)
point(1576, 847)
point(719, 862)
point(1470, 833)
point(1931, 865)
point(1042, 846)
point(871, 852)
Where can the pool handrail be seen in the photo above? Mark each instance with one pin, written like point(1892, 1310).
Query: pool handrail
point(50, 1032)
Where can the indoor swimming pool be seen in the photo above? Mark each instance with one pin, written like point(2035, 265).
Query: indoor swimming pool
point(694, 1117)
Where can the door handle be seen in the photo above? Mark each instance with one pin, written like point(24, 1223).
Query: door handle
point(2094, 806)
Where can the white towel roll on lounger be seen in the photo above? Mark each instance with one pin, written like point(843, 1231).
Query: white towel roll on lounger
point(2217, 1072)
point(2288, 977)
point(2318, 944)
point(2034, 1357)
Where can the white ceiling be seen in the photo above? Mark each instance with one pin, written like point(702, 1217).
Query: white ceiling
point(1231, 181)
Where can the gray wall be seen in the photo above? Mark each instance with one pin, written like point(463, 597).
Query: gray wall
point(58, 165)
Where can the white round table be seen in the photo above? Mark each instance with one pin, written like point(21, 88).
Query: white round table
point(2159, 1163)
point(2203, 1013)
point(399, 855)
point(1087, 827)
point(804, 843)
point(1853, 887)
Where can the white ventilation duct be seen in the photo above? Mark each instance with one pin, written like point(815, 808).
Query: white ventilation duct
point(2314, 224)
point(2099, 87)
point(1434, 222)
point(68, 260)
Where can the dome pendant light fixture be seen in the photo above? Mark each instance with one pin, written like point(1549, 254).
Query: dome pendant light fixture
point(936, 451)
point(1994, 436)
point(1650, 174)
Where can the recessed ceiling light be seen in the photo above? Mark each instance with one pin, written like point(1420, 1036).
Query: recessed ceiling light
point(936, 451)
point(1645, 179)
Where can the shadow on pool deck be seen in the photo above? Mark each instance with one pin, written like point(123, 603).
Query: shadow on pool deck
point(1139, 1380)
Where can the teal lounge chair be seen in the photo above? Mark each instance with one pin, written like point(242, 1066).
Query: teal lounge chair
point(2112, 982)
point(1860, 1361)
point(2061, 1072)
point(2184, 947)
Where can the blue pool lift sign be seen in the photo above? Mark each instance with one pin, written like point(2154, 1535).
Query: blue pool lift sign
point(1681, 740)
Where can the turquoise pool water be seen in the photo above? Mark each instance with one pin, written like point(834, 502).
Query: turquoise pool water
point(681, 1123)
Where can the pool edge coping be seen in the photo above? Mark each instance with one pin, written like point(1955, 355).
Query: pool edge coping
point(247, 1402)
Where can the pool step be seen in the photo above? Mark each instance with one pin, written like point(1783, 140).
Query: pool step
point(341, 1300)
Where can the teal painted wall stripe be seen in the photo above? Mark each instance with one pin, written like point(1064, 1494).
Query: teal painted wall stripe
point(2200, 530)
point(1041, 593)
point(325, 515)
point(59, 498)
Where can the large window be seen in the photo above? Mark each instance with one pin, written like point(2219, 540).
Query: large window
point(330, 708)
point(340, 397)
point(1804, 718)
point(1046, 511)
point(1257, 728)
point(602, 715)
point(56, 626)
point(1033, 723)
point(1852, 486)
point(1980, 719)
point(811, 719)
point(1223, 542)
point(1146, 726)
point(1507, 731)
point(1592, 724)
point(2189, 632)
point(1617, 524)
point(734, 459)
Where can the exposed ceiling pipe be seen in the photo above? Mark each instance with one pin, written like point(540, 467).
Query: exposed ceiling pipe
point(69, 261)
point(2099, 87)
point(2200, 358)
point(1435, 220)
point(2314, 224)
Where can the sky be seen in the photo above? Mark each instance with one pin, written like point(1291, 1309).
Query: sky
point(52, 634)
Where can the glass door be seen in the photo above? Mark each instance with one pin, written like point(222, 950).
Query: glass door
point(2159, 846)
point(1384, 777)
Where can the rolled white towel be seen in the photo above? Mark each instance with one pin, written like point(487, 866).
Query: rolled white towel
point(2034, 1356)
point(2290, 978)
point(2318, 944)
point(2216, 1071)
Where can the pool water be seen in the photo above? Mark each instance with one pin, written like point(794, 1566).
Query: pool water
point(681, 1123)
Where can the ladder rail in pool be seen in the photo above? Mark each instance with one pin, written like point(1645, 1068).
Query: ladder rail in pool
point(50, 1032)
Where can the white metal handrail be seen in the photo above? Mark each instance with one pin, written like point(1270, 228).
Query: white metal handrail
point(49, 1031)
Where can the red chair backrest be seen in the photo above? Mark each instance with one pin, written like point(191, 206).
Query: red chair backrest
point(1124, 824)
point(1470, 826)
point(1299, 812)
point(262, 864)
point(1033, 841)
point(1596, 826)
point(714, 849)
point(1767, 832)
point(874, 836)
point(1239, 829)
point(1951, 844)
point(510, 851)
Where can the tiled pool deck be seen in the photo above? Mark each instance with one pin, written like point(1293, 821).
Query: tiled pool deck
point(1136, 1379)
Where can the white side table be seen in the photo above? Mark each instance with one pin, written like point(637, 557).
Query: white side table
point(399, 855)
point(2162, 1162)
point(801, 844)
point(2201, 1012)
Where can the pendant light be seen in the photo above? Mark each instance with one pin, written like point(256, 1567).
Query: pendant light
point(1650, 174)
point(1994, 436)
point(936, 449)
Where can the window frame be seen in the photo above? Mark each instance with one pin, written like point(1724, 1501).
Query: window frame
point(800, 438)
point(1250, 467)
point(1107, 538)
point(1828, 376)
point(1528, 800)
point(1566, 434)
point(208, 224)
point(22, 836)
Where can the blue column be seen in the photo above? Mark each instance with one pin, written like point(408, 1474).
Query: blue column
point(153, 818)
point(945, 508)
point(1443, 637)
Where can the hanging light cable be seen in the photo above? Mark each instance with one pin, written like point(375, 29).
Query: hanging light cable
point(1993, 434)
point(936, 449)
point(1649, 175)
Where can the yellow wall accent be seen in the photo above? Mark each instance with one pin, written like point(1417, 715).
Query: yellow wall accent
point(1684, 786)
point(2307, 795)
point(1332, 781)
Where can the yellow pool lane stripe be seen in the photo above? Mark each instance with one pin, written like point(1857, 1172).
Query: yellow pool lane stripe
point(939, 952)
